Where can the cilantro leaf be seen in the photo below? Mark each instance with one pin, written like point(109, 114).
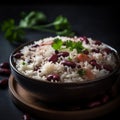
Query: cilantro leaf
point(62, 26)
point(65, 32)
point(74, 45)
point(31, 21)
point(32, 18)
point(12, 32)
point(69, 58)
point(57, 44)
point(79, 46)
point(61, 23)
point(23, 63)
point(69, 44)
point(81, 72)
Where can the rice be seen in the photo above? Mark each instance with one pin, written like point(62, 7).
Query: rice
point(65, 59)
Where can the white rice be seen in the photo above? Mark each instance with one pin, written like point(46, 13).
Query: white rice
point(35, 61)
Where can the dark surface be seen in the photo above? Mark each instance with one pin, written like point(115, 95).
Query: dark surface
point(101, 22)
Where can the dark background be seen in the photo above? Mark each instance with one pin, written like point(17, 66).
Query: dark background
point(95, 19)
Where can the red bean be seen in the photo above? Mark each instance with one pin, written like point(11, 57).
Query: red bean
point(53, 58)
point(17, 55)
point(108, 68)
point(4, 71)
point(64, 54)
point(86, 52)
point(95, 50)
point(94, 64)
point(79, 66)
point(5, 65)
point(98, 66)
point(97, 42)
point(36, 68)
point(54, 77)
point(84, 38)
point(50, 77)
point(105, 98)
point(107, 50)
point(94, 104)
point(29, 61)
point(26, 117)
point(34, 46)
point(69, 64)
point(3, 83)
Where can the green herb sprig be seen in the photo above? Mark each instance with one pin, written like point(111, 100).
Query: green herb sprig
point(57, 45)
point(81, 72)
point(74, 45)
point(34, 21)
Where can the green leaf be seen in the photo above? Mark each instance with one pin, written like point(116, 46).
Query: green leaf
point(23, 63)
point(62, 26)
point(57, 44)
point(69, 59)
point(74, 45)
point(79, 47)
point(12, 32)
point(32, 18)
point(69, 44)
point(8, 24)
point(65, 32)
point(61, 23)
point(81, 72)
point(14, 35)
point(33, 21)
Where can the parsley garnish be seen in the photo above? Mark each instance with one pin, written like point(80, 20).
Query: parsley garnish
point(74, 45)
point(69, 59)
point(62, 26)
point(81, 72)
point(57, 44)
point(23, 63)
point(35, 20)
point(12, 32)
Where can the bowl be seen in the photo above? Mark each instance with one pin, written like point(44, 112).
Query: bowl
point(65, 93)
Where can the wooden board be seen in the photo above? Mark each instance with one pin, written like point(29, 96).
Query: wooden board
point(27, 102)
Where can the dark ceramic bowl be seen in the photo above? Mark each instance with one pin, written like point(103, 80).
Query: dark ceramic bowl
point(64, 93)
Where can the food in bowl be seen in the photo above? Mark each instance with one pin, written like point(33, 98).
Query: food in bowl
point(65, 59)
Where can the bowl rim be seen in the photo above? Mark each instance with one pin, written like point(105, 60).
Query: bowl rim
point(117, 68)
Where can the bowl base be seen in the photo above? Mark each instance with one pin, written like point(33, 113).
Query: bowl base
point(27, 102)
